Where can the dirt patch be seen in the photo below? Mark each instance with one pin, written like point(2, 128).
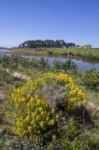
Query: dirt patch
point(93, 106)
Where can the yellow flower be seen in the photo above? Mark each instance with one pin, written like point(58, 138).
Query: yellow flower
point(56, 117)
point(42, 113)
point(42, 124)
point(29, 128)
point(54, 137)
point(38, 102)
point(47, 118)
point(37, 117)
point(27, 118)
point(32, 122)
point(28, 105)
point(32, 113)
point(31, 99)
point(52, 122)
point(40, 109)
point(53, 110)
point(22, 99)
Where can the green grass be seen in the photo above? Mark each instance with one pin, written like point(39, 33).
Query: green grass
point(7, 84)
point(56, 51)
point(30, 51)
point(33, 73)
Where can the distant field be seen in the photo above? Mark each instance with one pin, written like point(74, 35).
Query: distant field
point(58, 51)
point(30, 51)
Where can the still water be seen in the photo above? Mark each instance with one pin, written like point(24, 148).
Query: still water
point(4, 51)
point(82, 65)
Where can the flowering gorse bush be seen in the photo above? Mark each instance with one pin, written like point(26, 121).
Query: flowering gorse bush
point(34, 108)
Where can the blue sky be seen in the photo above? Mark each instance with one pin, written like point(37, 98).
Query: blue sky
point(72, 20)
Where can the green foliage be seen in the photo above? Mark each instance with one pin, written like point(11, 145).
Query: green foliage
point(89, 140)
point(43, 63)
point(69, 135)
point(91, 79)
point(9, 62)
point(14, 62)
point(46, 43)
point(58, 65)
point(4, 76)
point(68, 66)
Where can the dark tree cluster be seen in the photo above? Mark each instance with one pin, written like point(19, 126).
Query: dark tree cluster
point(47, 44)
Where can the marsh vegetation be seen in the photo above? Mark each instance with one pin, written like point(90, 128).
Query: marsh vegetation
point(91, 55)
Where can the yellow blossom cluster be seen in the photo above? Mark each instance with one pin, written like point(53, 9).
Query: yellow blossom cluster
point(32, 116)
point(30, 113)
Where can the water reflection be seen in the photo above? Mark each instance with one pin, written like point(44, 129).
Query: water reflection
point(80, 63)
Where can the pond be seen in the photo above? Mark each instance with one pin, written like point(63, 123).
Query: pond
point(82, 65)
point(4, 51)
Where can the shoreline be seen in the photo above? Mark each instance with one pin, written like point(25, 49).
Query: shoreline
point(86, 55)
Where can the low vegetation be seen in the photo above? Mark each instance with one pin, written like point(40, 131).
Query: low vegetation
point(52, 110)
point(91, 79)
point(91, 55)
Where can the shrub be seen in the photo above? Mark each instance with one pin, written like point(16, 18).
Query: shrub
point(91, 79)
point(58, 65)
point(89, 140)
point(43, 63)
point(9, 62)
point(34, 109)
point(70, 66)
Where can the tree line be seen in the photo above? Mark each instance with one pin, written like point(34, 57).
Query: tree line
point(46, 44)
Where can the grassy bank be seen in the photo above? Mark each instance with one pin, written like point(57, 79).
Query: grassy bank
point(91, 54)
